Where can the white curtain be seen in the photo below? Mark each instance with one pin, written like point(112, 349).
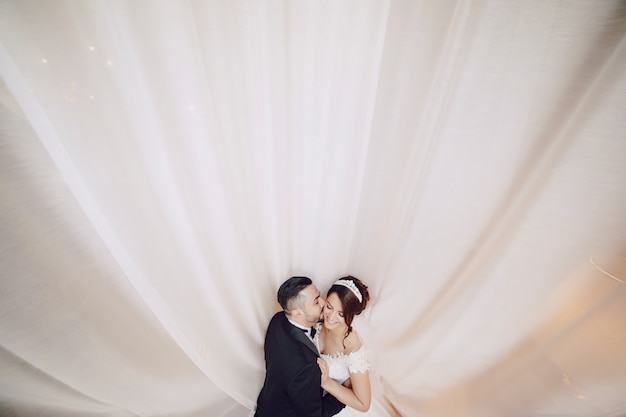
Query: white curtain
point(165, 165)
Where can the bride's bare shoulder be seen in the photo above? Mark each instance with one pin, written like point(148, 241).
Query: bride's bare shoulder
point(353, 342)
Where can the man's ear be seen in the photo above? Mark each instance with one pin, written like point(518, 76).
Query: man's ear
point(297, 313)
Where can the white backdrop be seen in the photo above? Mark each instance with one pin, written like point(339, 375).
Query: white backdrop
point(165, 165)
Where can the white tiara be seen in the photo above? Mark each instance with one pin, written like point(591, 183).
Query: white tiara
point(350, 285)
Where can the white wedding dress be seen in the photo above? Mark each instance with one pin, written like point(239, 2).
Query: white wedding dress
point(339, 368)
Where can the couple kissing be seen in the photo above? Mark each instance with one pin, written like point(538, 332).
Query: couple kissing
point(315, 368)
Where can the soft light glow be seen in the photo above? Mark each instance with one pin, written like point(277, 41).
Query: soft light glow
point(592, 262)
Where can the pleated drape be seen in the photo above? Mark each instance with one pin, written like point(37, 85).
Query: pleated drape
point(165, 165)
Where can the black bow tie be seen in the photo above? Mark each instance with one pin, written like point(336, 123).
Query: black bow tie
point(310, 331)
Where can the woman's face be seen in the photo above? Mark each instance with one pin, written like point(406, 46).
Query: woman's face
point(333, 313)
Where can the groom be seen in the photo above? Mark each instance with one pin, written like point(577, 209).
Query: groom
point(292, 378)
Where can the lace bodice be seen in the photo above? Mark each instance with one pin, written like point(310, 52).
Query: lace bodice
point(341, 365)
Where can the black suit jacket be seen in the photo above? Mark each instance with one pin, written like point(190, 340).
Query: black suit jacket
point(292, 376)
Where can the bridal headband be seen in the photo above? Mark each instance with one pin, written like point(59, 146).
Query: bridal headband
point(350, 285)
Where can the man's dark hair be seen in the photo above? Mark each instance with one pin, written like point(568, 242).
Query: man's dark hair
point(289, 291)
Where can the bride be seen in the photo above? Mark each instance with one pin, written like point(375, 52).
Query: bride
point(343, 361)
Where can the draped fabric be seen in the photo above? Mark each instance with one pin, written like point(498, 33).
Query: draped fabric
point(165, 165)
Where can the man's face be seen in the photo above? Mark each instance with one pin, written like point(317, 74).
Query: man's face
point(313, 304)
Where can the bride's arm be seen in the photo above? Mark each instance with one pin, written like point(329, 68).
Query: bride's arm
point(358, 397)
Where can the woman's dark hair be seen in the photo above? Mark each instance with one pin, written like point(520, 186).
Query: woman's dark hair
point(351, 304)
point(289, 291)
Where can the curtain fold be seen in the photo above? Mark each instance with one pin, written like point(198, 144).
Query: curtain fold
point(166, 165)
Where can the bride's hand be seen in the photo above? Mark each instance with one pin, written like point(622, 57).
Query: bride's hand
point(324, 368)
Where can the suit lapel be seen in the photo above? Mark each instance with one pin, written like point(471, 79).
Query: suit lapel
point(300, 336)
